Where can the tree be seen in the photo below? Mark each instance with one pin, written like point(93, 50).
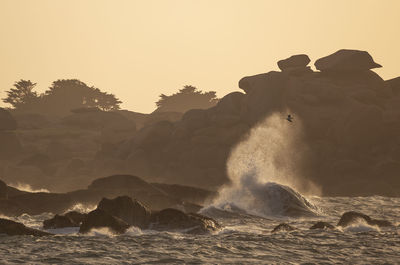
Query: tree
point(189, 97)
point(22, 95)
point(67, 94)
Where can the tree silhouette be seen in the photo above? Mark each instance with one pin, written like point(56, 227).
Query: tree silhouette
point(67, 94)
point(22, 95)
point(189, 97)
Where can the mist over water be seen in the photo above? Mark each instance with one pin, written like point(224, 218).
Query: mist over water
point(271, 155)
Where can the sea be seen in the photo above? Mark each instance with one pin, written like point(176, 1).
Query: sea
point(244, 239)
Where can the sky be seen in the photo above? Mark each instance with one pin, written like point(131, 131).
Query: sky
point(139, 49)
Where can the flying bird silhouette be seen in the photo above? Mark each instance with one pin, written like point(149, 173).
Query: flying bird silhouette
point(289, 118)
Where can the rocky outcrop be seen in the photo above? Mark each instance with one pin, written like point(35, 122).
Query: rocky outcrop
point(351, 217)
point(346, 61)
point(131, 211)
point(12, 228)
point(283, 227)
point(173, 220)
point(101, 219)
point(322, 225)
point(295, 65)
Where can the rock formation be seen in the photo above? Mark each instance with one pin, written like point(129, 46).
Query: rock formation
point(12, 228)
point(101, 219)
point(283, 227)
point(351, 217)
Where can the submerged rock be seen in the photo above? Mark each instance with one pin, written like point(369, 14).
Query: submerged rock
point(101, 219)
point(346, 60)
point(173, 219)
point(351, 217)
point(12, 228)
point(283, 227)
point(322, 225)
point(131, 211)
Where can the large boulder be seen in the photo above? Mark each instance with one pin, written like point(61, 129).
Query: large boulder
point(131, 211)
point(345, 61)
point(173, 219)
point(7, 122)
point(70, 219)
point(351, 217)
point(394, 84)
point(296, 63)
point(101, 219)
point(12, 228)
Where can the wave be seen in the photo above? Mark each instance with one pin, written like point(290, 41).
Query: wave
point(265, 172)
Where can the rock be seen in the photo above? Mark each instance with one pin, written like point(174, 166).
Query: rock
point(12, 228)
point(295, 61)
point(3, 190)
point(76, 217)
point(322, 225)
point(283, 227)
point(7, 122)
point(173, 219)
point(59, 221)
point(394, 84)
point(101, 219)
point(70, 219)
point(345, 61)
point(131, 211)
point(352, 217)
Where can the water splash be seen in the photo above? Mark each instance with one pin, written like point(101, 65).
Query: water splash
point(26, 187)
point(265, 169)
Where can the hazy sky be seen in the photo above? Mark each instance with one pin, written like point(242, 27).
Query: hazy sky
point(140, 49)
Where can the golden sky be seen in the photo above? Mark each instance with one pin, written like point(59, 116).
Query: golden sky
point(140, 49)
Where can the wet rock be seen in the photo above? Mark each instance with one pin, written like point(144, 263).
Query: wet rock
point(7, 122)
point(295, 61)
point(346, 60)
point(76, 217)
point(351, 217)
point(101, 219)
point(12, 228)
point(283, 227)
point(131, 211)
point(70, 219)
point(59, 221)
point(322, 225)
point(173, 219)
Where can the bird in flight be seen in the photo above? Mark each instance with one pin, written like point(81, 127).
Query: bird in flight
point(289, 118)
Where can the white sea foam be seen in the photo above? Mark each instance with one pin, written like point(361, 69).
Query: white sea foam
point(26, 187)
point(265, 170)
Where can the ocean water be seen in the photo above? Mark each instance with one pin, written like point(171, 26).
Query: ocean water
point(245, 239)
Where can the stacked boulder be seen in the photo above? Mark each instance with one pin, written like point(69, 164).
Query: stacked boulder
point(9, 143)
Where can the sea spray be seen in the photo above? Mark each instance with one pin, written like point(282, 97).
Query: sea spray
point(265, 170)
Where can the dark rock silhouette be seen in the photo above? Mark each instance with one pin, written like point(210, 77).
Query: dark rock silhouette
point(3, 190)
point(131, 211)
point(347, 60)
point(351, 217)
point(9, 142)
point(322, 225)
point(59, 221)
point(12, 228)
point(101, 219)
point(173, 219)
point(70, 219)
point(283, 227)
